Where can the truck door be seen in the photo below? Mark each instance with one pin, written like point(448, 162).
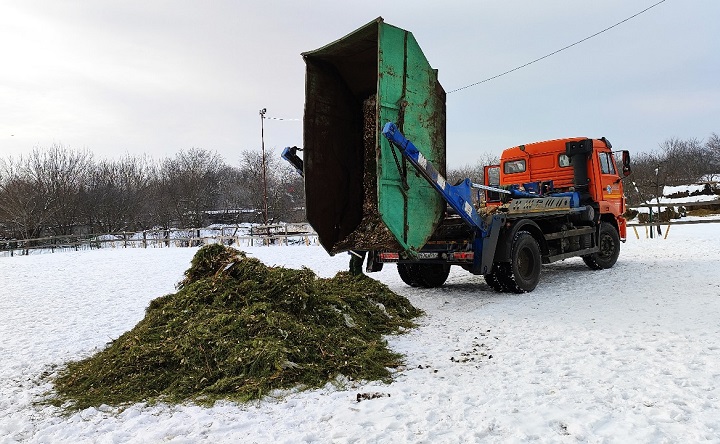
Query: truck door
point(610, 182)
point(491, 175)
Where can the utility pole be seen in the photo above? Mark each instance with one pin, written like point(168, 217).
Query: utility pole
point(264, 172)
point(657, 198)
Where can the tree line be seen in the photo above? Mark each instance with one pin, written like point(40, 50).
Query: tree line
point(61, 191)
point(674, 162)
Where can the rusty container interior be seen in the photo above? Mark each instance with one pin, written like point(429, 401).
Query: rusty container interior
point(360, 193)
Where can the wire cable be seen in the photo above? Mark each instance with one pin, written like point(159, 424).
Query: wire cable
point(278, 118)
point(559, 50)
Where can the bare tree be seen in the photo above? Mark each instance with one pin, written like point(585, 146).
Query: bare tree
point(475, 172)
point(43, 190)
point(116, 194)
point(285, 192)
point(712, 148)
point(676, 162)
point(683, 161)
point(191, 183)
point(287, 195)
point(157, 208)
point(251, 167)
point(234, 198)
point(22, 210)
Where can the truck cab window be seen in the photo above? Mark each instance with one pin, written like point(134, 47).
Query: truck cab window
point(606, 164)
point(564, 161)
point(514, 166)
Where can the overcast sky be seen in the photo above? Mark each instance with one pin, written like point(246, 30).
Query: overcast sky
point(157, 77)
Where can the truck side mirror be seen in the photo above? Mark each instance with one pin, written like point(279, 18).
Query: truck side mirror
point(626, 163)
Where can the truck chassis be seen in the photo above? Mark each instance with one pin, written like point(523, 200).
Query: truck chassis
point(507, 246)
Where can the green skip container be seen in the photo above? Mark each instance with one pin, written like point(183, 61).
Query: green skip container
point(360, 193)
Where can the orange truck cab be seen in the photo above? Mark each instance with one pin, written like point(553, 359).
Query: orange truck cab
point(547, 167)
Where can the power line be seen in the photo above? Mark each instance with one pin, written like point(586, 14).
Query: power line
point(279, 118)
point(559, 50)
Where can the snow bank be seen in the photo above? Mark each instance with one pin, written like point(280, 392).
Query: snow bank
point(694, 188)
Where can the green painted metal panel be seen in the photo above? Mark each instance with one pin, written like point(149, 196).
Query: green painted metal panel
point(412, 97)
point(360, 194)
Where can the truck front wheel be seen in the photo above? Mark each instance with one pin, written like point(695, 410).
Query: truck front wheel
point(609, 243)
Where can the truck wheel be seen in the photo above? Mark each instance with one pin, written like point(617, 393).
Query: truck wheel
point(432, 275)
point(609, 243)
point(409, 274)
point(522, 274)
point(493, 279)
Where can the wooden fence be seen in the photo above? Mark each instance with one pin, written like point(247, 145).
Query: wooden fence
point(650, 227)
point(256, 236)
point(249, 236)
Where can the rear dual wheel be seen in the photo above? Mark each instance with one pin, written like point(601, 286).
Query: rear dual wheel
point(522, 273)
point(409, 274)
point(494, 280)
point(424, 275)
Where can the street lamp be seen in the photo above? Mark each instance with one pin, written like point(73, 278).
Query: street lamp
point(264, 173)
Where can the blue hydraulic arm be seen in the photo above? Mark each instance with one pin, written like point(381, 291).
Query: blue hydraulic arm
point(457, 196)
point(290, 154)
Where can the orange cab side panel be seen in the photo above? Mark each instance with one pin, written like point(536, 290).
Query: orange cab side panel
point(544, 161)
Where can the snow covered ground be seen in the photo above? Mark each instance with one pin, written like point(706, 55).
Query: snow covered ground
point(629, 354)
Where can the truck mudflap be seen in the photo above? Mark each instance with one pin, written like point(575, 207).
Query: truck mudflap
point(622, 227)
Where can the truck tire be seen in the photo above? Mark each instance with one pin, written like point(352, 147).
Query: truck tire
point(609, 243)
point(494, 280)
point(409, 274)
point(432, 275)
point(424, 275)
point(522, 274)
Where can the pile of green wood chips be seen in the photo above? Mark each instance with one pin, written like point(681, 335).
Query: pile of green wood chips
point(238, 329)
